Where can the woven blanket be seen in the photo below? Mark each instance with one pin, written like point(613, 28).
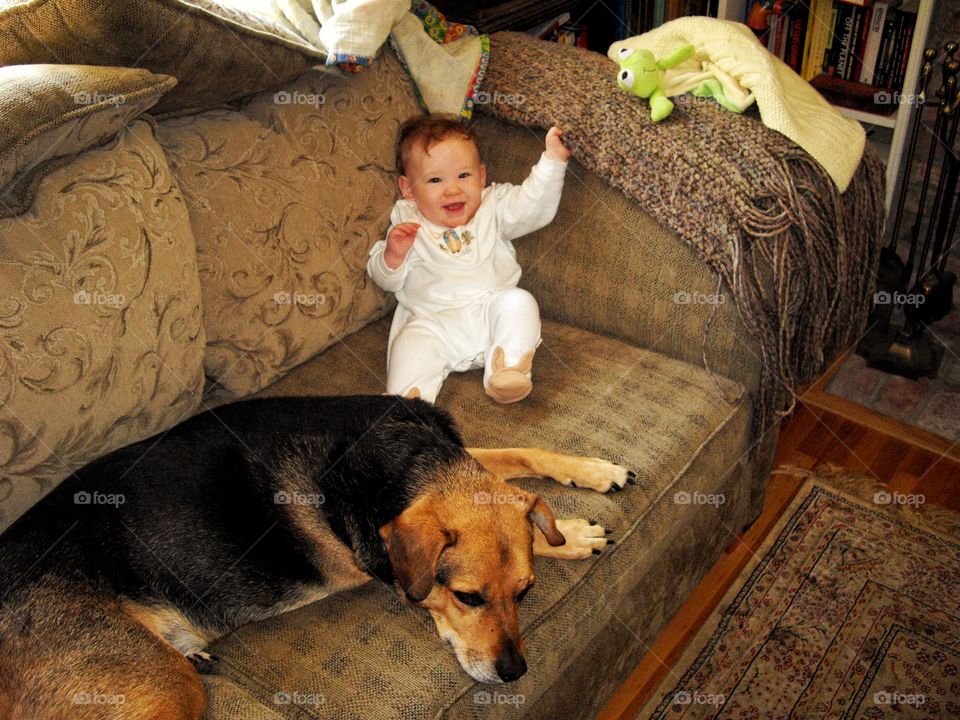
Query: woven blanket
point(798, 257)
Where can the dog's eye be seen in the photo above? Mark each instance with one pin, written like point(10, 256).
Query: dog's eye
point(471, 599)
point(523, 593)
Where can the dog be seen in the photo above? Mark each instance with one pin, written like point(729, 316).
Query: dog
point(129, 568)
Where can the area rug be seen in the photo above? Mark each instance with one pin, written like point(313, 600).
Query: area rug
point(850, 609)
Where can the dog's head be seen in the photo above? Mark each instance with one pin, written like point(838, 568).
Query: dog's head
point(466, 555)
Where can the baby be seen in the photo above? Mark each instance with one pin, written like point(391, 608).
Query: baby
point(448, 257)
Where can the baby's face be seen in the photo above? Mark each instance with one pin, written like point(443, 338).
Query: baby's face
point(446, 182)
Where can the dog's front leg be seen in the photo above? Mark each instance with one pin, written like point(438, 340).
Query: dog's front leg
point(593, 473)
point(583, 539)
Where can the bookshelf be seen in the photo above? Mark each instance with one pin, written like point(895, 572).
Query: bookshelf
point(894, 130)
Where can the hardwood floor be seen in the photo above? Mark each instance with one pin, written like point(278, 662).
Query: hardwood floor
point(893, 454)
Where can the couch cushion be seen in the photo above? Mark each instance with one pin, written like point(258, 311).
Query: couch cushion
point(286, 199)
point(52, 111)
point(218, 53)
point(101, 342)
point(368, 655)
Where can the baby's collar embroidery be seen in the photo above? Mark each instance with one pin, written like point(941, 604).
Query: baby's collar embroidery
point(453, 242)
point(449, 240)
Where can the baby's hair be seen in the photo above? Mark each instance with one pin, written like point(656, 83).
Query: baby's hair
point(426, 131)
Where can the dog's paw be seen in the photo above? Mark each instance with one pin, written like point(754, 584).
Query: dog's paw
point(583, 539)
point(597, 474)
point(201, 660)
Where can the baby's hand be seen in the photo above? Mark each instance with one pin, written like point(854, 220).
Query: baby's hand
point(556, 150)
point(399, 242)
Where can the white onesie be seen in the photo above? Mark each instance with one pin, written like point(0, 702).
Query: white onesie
point(457, 288)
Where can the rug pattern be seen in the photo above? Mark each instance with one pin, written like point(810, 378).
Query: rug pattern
point(850, 610)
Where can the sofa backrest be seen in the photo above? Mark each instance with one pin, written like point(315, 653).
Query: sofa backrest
point(286, 195)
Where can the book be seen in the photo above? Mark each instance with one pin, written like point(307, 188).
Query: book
point(844, 43)
point(798, 31)
point(900, 49)
point(854, 95)
point(886, 48)
point(858, 40)
point(774, 21)
point(903, 53)
point(817, 31)
point(783, 34)
point(878, 19)
point(659, 13)
point(833, 40)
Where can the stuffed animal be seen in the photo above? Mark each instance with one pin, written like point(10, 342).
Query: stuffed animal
point(640, 75)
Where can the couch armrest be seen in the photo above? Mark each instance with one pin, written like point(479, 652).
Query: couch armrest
point(606, 266)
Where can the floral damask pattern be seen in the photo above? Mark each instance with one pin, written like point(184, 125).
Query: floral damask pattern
point(286, 197)
point(101, 340)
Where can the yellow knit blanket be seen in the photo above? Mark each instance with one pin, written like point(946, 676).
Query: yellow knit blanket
point(787, 103)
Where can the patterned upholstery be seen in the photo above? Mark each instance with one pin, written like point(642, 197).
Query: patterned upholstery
point(101, 339)
point(283, 194)
point(286, 198)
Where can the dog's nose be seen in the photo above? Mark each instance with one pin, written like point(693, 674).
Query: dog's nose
point(510, 663)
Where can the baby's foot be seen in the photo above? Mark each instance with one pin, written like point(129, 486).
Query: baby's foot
point(510, 384)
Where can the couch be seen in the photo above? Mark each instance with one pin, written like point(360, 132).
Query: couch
point(158, 264)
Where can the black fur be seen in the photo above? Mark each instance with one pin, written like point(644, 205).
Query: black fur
point(199, 526)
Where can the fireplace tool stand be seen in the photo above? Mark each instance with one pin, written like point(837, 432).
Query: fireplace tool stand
point(914, 293)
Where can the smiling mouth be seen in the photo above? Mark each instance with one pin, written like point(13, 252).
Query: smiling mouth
point(454, 207)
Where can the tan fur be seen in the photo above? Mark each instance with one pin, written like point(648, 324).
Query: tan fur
point(69, 653)
point(593, 473)
point(488, 532)
point(481, 529)
point(170, 625)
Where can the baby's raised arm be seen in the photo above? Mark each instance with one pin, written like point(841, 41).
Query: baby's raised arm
point(523, 208)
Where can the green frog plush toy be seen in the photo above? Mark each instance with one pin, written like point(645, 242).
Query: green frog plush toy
point(640, 75)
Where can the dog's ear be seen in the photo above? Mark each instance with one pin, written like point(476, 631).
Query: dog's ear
point(414, 541)
point(542, 516)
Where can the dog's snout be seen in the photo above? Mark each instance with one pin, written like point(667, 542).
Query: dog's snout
point(510, 663)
